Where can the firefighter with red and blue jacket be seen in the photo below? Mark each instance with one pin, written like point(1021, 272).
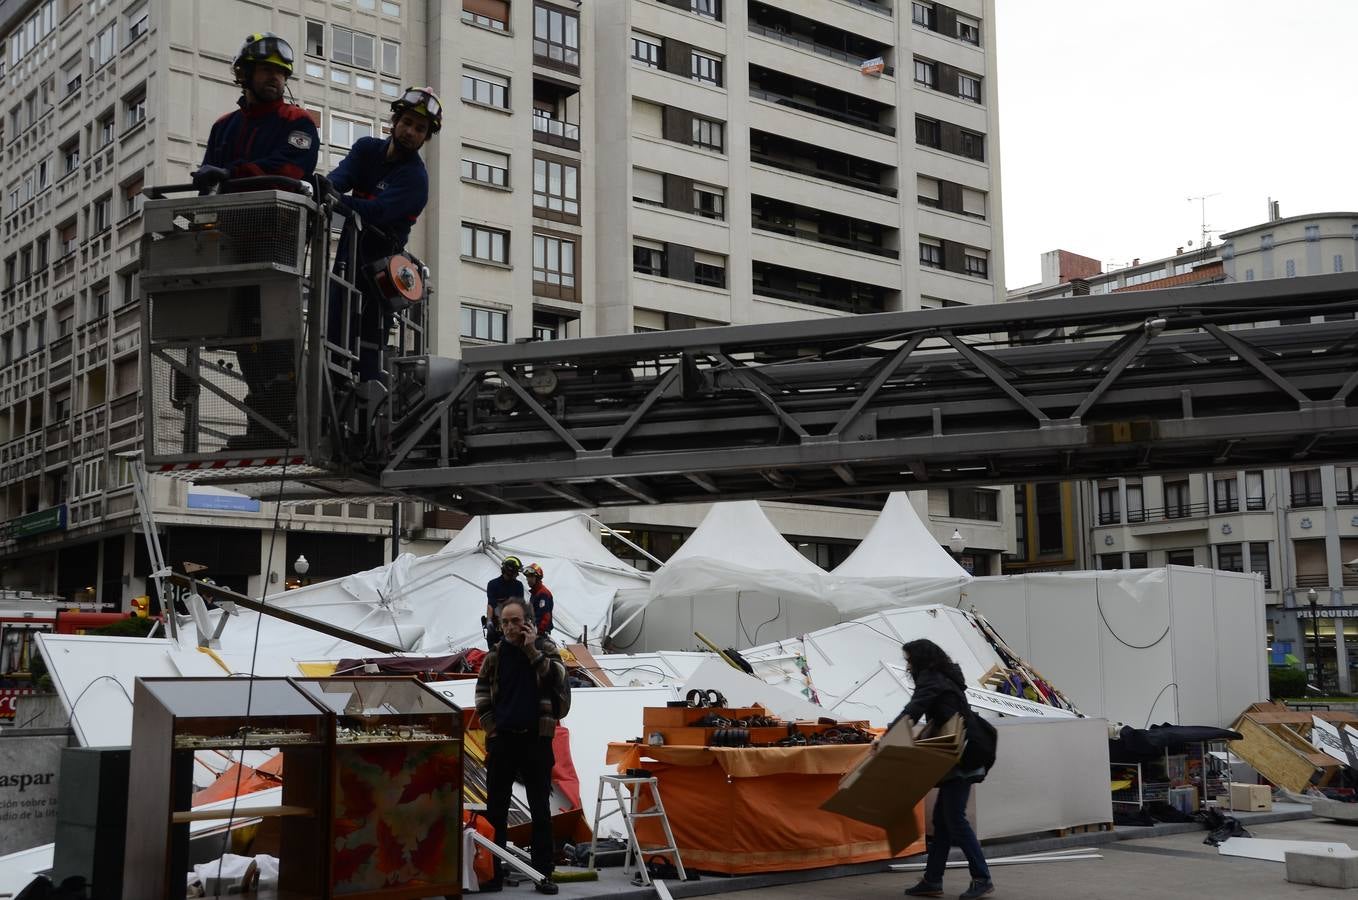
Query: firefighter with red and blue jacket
point(266, 135)
point(385, 182)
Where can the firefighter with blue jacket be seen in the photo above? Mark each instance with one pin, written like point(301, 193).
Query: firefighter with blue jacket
point(266, 135)
point(384, 181)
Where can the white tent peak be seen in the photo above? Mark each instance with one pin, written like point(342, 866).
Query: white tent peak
point(740, 534)
point(899, 545)
point(561, 535)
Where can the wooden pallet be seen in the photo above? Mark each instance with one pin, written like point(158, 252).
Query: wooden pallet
point(1084, 829)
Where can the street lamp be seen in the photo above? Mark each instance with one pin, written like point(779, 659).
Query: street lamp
point(1314, 600)
point(957, 542)
point(301, 567)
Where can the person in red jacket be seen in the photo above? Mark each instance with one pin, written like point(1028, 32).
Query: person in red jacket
point(266, 135)
point(539, 597)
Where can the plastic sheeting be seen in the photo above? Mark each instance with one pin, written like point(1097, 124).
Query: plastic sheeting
point(899, 546)
point(433, 604)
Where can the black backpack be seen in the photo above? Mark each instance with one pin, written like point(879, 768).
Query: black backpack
point(979, 753)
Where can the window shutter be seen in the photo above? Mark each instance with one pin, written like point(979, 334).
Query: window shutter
point(945, 20)
point(674, 321)
point(677, 57)
point(953, 257)
point(950, 137)
point(648, 185)
point(949, 196)
point(678, 192)
point(493, 9)
point(679, 262)
point(678, 125)
point(947, 79)
point(678, 4)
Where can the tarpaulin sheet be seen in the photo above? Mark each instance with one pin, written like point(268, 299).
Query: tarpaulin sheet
point(738, 824)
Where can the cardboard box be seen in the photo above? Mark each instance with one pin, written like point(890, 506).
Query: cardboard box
point(890, 782)
point(1250, 797)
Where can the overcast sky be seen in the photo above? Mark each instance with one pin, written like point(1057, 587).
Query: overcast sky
point(1112, 114)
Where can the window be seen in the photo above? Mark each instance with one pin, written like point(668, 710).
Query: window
point(484, 324)
point(103, 130)
point(1259, 562)
point(927, 132)
point(1137, 560)
point(554, 266)
point(485, 166)
point(102, 47)
point(709, 269)
point(132, 198)
point(706, 68)
point(1338, 262)
point(44, 173)
point(922, 14)
point(1254, 491)
point(926, 72)
point(709, 202)
point(968, 29)
point(976, 263)
point(345, 130)
point(974, 503)
point(44, 254)
point(134, 112)
point(391, 58)
point(137, 23)
point(315, 39)
point(556, 187)
point(1225, 494)
point(708, 134)
point(66, 234)
point(70, 75)
point(100, 214)
point(1136, 503)
point(392, 9)
point(708, 8)
point(646, 50)
point(930, 254)
point(556, 35)
point(1312, 233)
point(973, 203)
point(485, 88)
point(1108, 561)
point(70, 157)
point(1266, 241)
point(969, 87)
point(485, 244)
point(1345, 483)
point(648, 187)
point(971, 145)
point(648, 259)
point(1177, 504)
point(1179, 558)
point(1306, 487)
point(492, 14)
point(1110, 511)
point(352, 48)
point(1230, 558)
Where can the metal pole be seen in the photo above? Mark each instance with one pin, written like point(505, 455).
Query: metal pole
point(1312, 598)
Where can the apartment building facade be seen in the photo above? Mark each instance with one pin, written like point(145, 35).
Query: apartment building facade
point(604, 167)
point(1298, 526)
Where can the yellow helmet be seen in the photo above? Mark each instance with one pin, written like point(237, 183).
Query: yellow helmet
point(423, 101)
point(263, 47)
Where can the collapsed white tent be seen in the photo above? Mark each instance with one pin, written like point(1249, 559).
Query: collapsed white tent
point(434, 604)
point(738, 580)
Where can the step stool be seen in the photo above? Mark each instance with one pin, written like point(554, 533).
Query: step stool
point(627, 795)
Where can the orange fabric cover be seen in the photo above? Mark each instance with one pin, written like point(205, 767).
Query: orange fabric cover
point(225, 787)
point(756, 809)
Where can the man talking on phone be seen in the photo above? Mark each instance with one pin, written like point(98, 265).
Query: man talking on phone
point(515, 691)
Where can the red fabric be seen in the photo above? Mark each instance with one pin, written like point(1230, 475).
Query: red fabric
point(474, 659)
point(483, 863)
point(563, 772)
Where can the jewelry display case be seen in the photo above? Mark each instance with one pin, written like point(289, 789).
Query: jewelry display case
point(395, 788)
point(174, 718)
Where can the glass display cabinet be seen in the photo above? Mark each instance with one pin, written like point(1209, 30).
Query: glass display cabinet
point(174, 718)
point(395, 788)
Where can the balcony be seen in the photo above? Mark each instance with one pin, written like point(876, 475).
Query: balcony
point(1347, 497)
point(1304, 499)
point(556, 113)
point(819, 100)
point(834, 230)
point(819, 162)
point(815, 37)
point(823, 291)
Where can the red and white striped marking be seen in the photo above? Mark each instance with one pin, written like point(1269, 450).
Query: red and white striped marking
point(207, 465)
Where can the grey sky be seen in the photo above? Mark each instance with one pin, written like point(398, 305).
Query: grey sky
point(1113, 113)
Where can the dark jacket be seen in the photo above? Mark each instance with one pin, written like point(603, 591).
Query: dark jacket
point(543, 603)
point(388, 193)
point(265, 139)
point(545, 660)
point(939, 695)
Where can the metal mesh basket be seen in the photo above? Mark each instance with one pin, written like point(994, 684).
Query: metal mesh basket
point(263, 229)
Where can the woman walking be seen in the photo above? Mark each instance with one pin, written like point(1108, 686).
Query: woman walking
point(940, 694)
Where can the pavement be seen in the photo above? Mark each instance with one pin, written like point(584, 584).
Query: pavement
point(1142, 863)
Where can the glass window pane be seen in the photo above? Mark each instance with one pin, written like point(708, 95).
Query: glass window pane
point(466, 240)
point(539, 251)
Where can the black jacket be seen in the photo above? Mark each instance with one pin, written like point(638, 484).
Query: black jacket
point(939, 695)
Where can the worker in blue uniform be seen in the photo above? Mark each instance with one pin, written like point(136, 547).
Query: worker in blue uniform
point(265, 136)
point(384, 181)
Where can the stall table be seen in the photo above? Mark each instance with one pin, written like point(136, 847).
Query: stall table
point(757, 809)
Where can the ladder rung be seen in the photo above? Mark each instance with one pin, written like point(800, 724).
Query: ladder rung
point(646, 815)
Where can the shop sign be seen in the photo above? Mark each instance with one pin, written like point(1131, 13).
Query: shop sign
point(9, 699)
point(29, 766)
point(1328, 612)
point(51, 519)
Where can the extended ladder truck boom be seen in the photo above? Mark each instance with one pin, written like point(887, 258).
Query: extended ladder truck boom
point(1190, 379)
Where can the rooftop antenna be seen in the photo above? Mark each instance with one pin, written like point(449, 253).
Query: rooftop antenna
point(1202, 206)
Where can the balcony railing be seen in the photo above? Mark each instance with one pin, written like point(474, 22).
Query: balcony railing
point(1306, 499)
point(1346, 497)
point(1155, 514)
point(846, 118)
point(813, 172)
point(1313, 581)
point(824, 302)
point(801, 43)
point(555, 131)
point(832, 240)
